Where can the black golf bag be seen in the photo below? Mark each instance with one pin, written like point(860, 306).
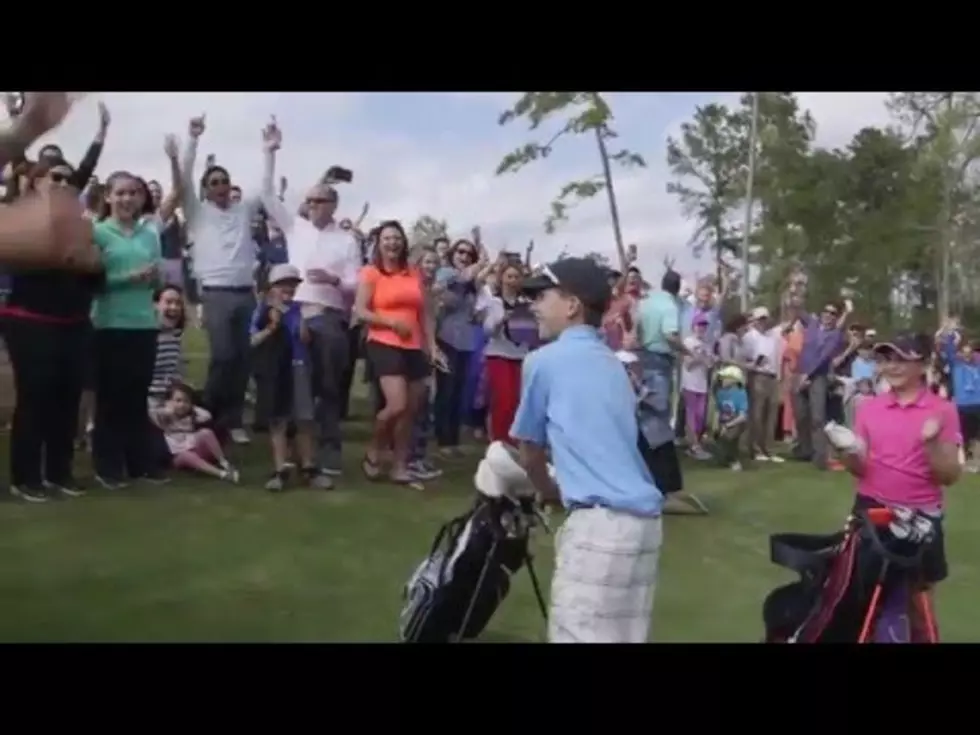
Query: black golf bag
point(455, 591)
point(862, 585)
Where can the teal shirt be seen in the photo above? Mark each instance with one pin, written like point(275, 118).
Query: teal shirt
point(124, 304)
point(659, 316)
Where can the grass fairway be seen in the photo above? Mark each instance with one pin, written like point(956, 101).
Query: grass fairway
point(200, 560)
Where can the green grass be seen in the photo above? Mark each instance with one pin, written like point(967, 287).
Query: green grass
point(203, 561)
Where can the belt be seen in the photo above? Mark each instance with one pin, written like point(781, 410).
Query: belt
point(227, 289)
point(572, 507)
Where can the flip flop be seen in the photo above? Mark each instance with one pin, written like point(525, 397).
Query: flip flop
point(370, 468)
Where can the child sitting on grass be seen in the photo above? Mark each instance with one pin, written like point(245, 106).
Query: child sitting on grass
point(192, 447)
point(733, 410)
point(286, 388)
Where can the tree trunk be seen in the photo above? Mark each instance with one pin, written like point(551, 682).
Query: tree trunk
point(611, 193)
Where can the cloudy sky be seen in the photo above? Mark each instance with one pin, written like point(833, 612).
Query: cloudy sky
point(435, 153)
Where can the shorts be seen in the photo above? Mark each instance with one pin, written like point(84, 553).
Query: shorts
point(969, 423)
point(288, 396)
point(387, 361)
point(934, 567)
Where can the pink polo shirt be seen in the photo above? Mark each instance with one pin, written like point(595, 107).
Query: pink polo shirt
point(896, 469)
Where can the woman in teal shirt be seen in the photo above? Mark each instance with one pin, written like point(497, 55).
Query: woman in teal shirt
point(125, 324)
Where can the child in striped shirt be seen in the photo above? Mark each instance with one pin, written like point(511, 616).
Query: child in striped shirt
point(169, 366)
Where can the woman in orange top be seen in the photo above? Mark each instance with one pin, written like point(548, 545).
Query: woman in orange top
point(400, 347)
point(792, 346)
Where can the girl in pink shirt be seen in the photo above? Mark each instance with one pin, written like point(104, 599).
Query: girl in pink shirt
point(907, 449)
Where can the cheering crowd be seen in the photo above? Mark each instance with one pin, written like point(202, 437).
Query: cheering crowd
point(452, 339)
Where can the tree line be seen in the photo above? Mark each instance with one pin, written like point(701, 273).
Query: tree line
point(891, 220)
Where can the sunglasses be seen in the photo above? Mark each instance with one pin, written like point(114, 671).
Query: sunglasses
point(321, 200)
point(220, 181)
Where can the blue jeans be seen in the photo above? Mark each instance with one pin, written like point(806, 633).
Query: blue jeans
point(654, 414)
point(421, 429)
point(450, 385)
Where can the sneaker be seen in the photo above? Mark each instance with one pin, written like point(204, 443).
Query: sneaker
point(155, 478)
point(315, 477)
point(240, 436)
point(69, 488)
point(231, 475)
point(423, 471)
point(277, 481)
point(762, 457)
point(30, 493)
point(776, 459)
point(699, 453)
point(110, 483)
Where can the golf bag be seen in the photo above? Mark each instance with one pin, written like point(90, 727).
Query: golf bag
point(458, 587)
point(862, 585)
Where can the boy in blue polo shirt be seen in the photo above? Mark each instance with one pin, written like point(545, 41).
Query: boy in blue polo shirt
point(577, 402)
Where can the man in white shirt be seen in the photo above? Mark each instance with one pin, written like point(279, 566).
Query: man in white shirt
point(221, 230)
point(763, 344)
point(329, 257)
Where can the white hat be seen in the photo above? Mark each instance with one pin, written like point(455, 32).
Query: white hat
point(626, 357)
point(284, 272)
point(760, 312)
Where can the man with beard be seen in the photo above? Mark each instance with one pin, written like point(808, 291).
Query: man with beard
point(224, 256)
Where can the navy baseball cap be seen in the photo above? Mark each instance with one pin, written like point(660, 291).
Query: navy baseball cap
point(580, 277)
point(907, 346)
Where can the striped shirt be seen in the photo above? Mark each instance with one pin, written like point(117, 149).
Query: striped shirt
point(169, 363)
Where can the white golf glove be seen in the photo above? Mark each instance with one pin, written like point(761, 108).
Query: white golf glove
point(843, 439)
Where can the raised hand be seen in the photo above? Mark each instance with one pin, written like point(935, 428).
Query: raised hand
point(196, 126)
point(271, 135)
point(42, 112)
point(364, 213)
point(105, 119)
point(170, 146)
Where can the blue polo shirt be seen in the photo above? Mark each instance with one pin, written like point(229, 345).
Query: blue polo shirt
point(577, 399)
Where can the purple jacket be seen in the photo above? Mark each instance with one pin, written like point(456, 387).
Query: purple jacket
point(820, 346)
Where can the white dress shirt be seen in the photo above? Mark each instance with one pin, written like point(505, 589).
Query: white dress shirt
point(769, 346)
point(223, 252)
point(330, 249)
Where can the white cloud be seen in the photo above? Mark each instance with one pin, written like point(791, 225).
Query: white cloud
point(404, 175)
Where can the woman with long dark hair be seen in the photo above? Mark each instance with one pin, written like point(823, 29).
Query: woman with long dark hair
point(512, 331)
point(125, 322)
point(401, 346)
point(46, 328)
point(456, 285)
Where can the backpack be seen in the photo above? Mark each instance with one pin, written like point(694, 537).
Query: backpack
point(455, 591)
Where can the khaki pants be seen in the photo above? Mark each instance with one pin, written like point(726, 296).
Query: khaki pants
point(763, 411)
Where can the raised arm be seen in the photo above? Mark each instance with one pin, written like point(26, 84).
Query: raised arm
point(41, 113)
point(86, 167)
point(170, 202)
point(273, 204)
point(188, 192)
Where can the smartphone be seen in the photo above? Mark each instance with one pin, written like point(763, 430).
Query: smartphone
point(337, 175)
point(210, 160)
